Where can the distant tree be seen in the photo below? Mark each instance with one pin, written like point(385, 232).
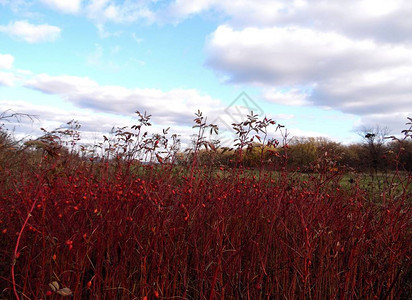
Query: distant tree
point(400, 153)
point(302, 152)
point(374, 140)
point(400, 148)
point(355, 156)
point(334, 149)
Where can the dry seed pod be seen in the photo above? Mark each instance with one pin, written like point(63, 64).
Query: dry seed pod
point(64, 292)
point(54, 286)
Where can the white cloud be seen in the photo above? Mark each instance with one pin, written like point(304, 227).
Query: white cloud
point(6, 61)
point(7, 79)
point(395, 122)
point(375, 19)
point(181, 8)
point(31, 33)
point(93, 125)
point(97, 59)
point(24, 72)
point(292, 97)
point(300, 66)
point(176, 106)
point(103, 33)
point(71, 6)
point(377, 8)
point(287, 56)
point(16, 5)
point(352, 57)
point(128, 11)
point(50, 118)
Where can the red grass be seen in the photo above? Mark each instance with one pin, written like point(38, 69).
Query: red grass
point(108, 231)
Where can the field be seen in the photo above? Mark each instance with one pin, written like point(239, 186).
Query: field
point(96, 227)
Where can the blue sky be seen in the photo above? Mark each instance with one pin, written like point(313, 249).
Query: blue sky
point(322, 68)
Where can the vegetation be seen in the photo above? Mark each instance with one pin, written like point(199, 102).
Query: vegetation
point(304, 152)
point(208, 223)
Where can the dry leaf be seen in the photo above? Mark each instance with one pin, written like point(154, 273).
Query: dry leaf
point(64, 292)
point(54, 286)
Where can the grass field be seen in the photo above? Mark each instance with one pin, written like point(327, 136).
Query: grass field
point(108, 228)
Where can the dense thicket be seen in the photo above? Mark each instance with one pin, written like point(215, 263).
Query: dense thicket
point(94, 223)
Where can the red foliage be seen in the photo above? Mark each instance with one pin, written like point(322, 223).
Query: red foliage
point(107, 231)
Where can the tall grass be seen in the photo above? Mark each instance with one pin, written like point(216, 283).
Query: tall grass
point(106, 227)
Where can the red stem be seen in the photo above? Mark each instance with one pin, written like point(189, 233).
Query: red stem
point(17, 247)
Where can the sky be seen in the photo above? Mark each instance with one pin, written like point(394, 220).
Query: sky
point(320, 67)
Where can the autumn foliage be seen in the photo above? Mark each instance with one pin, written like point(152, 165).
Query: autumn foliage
point(102, 225)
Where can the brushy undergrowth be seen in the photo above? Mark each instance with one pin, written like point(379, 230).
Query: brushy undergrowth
point(107, 227)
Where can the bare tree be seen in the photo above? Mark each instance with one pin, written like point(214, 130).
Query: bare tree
point(374, 140)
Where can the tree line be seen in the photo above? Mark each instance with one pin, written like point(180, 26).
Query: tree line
point(374, 153)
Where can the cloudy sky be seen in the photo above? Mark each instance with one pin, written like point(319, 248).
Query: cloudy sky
point(320, 67)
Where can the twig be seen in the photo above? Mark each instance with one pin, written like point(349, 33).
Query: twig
point(17, 247)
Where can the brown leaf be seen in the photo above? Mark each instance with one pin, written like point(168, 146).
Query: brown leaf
point(54, 286)
point(64, 292)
